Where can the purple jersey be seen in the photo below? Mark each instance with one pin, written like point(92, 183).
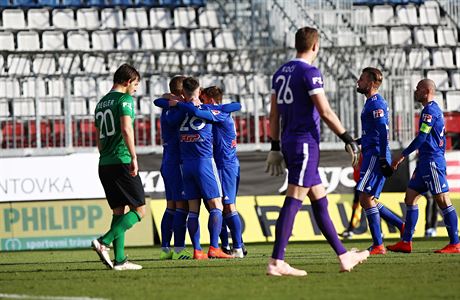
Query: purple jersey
point(293, 85)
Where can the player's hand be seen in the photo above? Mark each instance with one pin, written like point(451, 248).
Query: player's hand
point(275, 163)
point(385, 167)
point(353, 149)
point(396, 162)
point(172, 103)
point(133, 167)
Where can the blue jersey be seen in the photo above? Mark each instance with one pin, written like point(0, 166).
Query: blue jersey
point(293, 84)
point(374, 123)
point(431, 141)
point(195, 132)
point(170, 121)
point(224, 137)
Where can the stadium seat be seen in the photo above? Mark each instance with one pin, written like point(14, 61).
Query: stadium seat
point(395, 58)
point(117, 59)
point(224, 39)
point(4, 108)
point(6, 41)
point(4, 3)
point(145, 105)
point(457, 55)
point(171, 3)
point(127, 40)
point(159, 85)
point(78, 40)
point(262, 84)
point(53, 40)
point(152, 40)
point(447, 36)
point(455, 80)
point(18, 65)
point(415, 78)
point(72, 3)
point(54, 87)
point(376, 36)
point(88, 18)
point(136, 18)
point(419, 58)
point(9, 88)
point(12, 133)
point(443, 58)
point(84, 87)
point(50, 3)
point(429, 13)
point(44, 65)
point(382, 15)
point(347, 37)
point(63, 18)
point(13, 19)
point(440, 78)
point(142, 131)
point(38, 18)
point(50, 107)
point(200, 39)
point(362, 15)
point(407, 14)
point(146, 3)
point(400, 36)
point(103, 86)
point(94, 64)
point(217, 61)
point(230, 84)
point(160, 17)
point(121, 2)
point(24, 3)
point(2, 65)
point(193, 62)
point(210, 80)
point(208, 18)
point(185, 17)
point(23, 107)
point(28, 41)
point(453, 101)
point(112, 18)
point(169, 62)
point(242, 62)
point(97, 3)
point(424, 36)
point(69, 64)
point(176, 39)
point(78, 106)
point(103, 40)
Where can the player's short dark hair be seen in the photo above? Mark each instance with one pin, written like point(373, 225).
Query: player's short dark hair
point(375, 74)
point(175, 85)
point(305, 38)
point(214, 92)
point(190, 84)
point(125, 73)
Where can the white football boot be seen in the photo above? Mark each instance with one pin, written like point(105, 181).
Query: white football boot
point(127, 265)
point(350, 259)
point(103, 252)
point(278, 267)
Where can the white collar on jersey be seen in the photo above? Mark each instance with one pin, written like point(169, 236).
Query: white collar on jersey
point(301, 60)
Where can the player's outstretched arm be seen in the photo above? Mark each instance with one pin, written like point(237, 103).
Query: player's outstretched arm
point(193, 110)
point(161, 102)
point(275, 160)
point(231, 107)
point(127, 131)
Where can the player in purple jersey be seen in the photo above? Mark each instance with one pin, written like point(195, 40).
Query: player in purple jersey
point(430, 172)
point(376, 157)
point(175, 216)
point(298, 99)
point(228, 166)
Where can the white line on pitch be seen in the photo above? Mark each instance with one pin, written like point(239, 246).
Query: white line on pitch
point(32, 297)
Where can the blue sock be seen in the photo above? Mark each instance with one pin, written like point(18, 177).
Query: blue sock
point(450, 220)
point(180, 228)
point(373, 218)
point(215, 226)
point(224, 235)
point(234, 223)
point(389, 217)
point(167, 227)
point(411, 221)
point(193, 225)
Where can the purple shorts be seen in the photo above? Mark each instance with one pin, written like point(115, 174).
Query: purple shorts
point(302, 160)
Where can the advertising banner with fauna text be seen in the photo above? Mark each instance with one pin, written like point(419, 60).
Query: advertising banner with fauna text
point(259, 214)
point(62, 224)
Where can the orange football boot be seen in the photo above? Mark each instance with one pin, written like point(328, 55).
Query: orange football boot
point(451, 248)
point(375, 250)
point(401, 246)
point(199, 255)
point(217, 253)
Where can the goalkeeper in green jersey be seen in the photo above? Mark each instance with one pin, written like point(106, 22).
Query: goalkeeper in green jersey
point(118, 169)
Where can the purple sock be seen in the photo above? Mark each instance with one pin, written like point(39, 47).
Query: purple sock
point(326, 226)
point(284, 226)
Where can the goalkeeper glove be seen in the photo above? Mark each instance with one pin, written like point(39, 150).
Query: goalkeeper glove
point(351, 146)
point(275, 160)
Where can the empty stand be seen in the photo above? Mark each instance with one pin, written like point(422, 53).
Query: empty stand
point(94, 64)
point(185, 17)
point(377, 36)
point(78, 40)
point(103, 40)
point(419, 58)
point(200, 39)
point(407, 14)
point(400, 36)
point(44, 65)
point(208, 18)
point(53, 40)
point(176, 39)
point(88, 18)
point(383, 15)
point(63, 18)
point(447, 36)
point(112, 18)
point(38, 18)
point(225, 40)
point(28, 40)
point(443, 57)
point(453, 100)
point(425, 36)
point(136, 18)
point(127, 40)
point(6, 41)
point(429, 13)
point(152, 40)
point(440, 78)
point(13, 19)
point(160, 17)
point(18, 65)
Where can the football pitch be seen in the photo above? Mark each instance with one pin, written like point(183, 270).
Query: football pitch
point(78, 273)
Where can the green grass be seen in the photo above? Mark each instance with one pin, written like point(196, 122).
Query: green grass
point(419, 275)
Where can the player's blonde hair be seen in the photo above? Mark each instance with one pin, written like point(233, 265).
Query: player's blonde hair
point(305, 39)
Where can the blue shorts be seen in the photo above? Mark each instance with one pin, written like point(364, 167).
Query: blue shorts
point(371, 179)
point(201, 179)
point(172, 178)
point(302, 161)
point(429, 176)
point(230, 179)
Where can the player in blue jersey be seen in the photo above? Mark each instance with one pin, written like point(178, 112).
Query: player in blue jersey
point(176, 212)
point(298, 99)
point(199, 171)
point(376, 157)
point(430, 172)
point(228, 166)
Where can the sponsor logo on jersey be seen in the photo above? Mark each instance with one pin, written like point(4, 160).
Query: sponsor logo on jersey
point(127, 104)
point(427, 118)
point(378, 113)
point(233, 143)
point(317, 80)
point(215, 112)
point(189, 138)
